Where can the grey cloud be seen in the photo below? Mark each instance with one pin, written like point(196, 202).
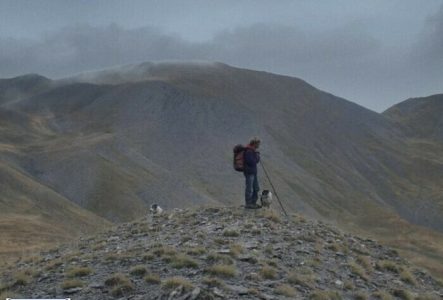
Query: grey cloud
point(346, 61)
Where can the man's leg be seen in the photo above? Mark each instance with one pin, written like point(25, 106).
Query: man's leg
point(255, 188)
point(249, 182)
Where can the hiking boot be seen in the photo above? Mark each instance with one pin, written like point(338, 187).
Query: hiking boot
point(252, 206)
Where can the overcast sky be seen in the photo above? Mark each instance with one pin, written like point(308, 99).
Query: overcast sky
point(375, 53)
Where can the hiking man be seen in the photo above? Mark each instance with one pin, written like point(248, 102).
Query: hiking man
point(251, 159)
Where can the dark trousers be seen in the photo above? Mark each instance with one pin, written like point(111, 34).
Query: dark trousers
point(251, 188)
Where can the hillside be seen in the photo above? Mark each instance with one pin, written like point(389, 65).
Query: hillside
point(220, 253)
point(115, 141)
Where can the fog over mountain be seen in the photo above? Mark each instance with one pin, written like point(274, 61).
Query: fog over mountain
point(377, 54)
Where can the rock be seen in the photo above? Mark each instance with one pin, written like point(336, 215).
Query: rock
point(339, 283)
point(247, 258)
point(96, 285)
point(195, 293)
point(73, 290)
point(217, 292)
point(240, 290)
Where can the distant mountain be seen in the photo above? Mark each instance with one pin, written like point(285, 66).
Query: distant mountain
point(115, 141)
point(422, 117)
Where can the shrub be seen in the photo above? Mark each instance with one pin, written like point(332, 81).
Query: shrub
point(222, 270)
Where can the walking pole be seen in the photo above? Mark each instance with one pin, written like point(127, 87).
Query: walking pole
point(273, 188)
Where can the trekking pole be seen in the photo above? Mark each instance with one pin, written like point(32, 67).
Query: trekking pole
point(273, 188)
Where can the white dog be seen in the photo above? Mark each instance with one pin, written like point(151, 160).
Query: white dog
point(266, 198)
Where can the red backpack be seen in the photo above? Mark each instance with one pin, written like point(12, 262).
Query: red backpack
point(239, 150)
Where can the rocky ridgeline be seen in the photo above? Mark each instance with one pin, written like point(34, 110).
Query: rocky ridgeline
point(219, 253)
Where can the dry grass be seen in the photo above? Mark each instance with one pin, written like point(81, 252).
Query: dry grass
point(152, 279)
point(285, 290)
point(183, 261)
point(236, 249)
point(219, 258)
point(117, 279)
point(403, 294)
point(272, 215)
point(226, 271)
point(196, 251)
point(388, 265)
point(382, 295)
point(358, 270)
point(365, 262)
point(407, 277)
point(325, 295)
point(360, 295)
point(174, 282)
point(139, 270)
point(268, 272)
point(122, 289)
point(79, 272)
point(213, 282)
point(71, 283)
point(231, 233)
point(306, 280)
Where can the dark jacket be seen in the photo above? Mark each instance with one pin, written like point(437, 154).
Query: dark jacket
point(251, 158)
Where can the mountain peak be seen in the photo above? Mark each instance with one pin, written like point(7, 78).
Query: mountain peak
point(227, 253)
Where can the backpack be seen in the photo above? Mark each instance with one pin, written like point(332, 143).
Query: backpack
point(239, 161)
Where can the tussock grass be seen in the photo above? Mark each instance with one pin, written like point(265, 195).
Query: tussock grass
point(183, 261)
point(164, 250)
point(231, 233)
point(122, 289)
point(358, 270)
point(236, 250)
point(174, 282)
point(325, 295)
point(424, 297)
point(152, 279)
point(268, 272)
point(9, 294)
point(365, 262)
point(225, 271)
point(53, 264)
point(21, 278)
point(196, 251)
point(219, 258)
point(139, 270)
point(403, 294)
point(272, 215)
point(360, 295)
point(306, 280)
point(79, 272)
point(382, 295)
point(117, 279)
point(285, 290)
point(407, 277)
point(387, 265)
point(213, 282)
point(71, 283)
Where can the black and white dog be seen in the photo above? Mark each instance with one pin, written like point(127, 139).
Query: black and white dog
point(266, 198)
point(155, 210)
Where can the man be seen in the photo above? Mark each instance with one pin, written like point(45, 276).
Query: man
point(251, 159)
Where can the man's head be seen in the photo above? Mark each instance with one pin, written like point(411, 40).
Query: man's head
point(255, 142)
